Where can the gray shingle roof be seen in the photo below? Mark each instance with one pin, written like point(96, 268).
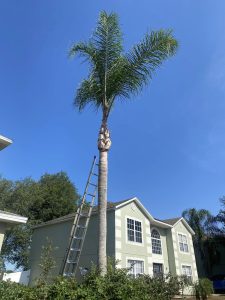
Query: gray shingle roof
point(110, 205)
point(171, 221)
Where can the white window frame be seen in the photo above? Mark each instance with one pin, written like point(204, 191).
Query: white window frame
point(142, 235)
point(189, 266)
point(139, 260)
point(157, 254)
point(188, 244)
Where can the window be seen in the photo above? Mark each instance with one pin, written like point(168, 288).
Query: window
point(136, 267)
point(134, 231)
point(156, 242)
point(186, 270)
point(157, 270)
point(183, 245)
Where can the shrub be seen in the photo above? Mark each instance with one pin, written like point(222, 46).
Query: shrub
point(117, 284)
point(203, 288)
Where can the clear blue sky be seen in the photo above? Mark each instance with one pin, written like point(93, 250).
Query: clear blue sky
point(168, 143)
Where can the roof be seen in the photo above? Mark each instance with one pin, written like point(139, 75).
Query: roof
point(4, 142)
point(172, 221)
point(110, 205)
point(168, 223)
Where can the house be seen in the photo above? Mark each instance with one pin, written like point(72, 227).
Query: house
point(4, 142)
point(8, 219)
point(134, 237)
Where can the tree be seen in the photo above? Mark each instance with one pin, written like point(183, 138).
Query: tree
point(201, 221)
point(221, 215)
point(205, 228)
point(52, 196)
point(115, 75)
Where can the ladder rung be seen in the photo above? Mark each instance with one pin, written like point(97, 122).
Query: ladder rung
point(71, 262)
point(94, 174)
point(77, 238)
point(75, 249)
point(93, 184)
point(91, 195)
point(82, 215)
point(97, 164)
point(81, 226)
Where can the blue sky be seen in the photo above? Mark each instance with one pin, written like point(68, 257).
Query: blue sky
point(168, 144)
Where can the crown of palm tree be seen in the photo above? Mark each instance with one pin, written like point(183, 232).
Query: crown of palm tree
point(113, 73)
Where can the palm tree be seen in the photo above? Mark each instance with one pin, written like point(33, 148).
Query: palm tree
point(115, 75)
point(201, 221)
point(206, 230)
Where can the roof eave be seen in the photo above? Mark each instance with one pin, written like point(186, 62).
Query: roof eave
point(4, 142)
point(185, 224)
point(144, 210)
point(12, 219)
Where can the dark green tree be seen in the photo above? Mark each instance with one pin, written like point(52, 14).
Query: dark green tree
point(205, 227)
point(53, 196)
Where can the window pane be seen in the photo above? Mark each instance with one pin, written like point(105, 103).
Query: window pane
point(134, 231)
point(183, 242)
point(137, 267)
point(155, 234)
point(156, 242)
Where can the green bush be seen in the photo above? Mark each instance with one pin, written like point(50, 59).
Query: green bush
point(117, 284)
point(203, 288)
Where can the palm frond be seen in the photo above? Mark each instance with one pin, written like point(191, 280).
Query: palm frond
point(88, 92)
point(147, 56)
point(112, 73)
point(107, 39)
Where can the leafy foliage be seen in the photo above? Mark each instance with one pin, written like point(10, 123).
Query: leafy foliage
point(47, 262)
point(114, 73)
point(117, 284)
point(205, 238)
point(203, 288)
point(52, 196)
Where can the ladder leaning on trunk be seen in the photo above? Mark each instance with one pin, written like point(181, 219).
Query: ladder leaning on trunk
point(80, 224)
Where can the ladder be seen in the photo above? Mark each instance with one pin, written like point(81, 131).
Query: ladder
point(80, 224)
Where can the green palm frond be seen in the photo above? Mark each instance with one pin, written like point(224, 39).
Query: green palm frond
point(114, 74)
point(147, 56)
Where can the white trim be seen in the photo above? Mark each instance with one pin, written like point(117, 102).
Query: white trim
point(186, 265)
point(117, 222)
point(118, 244)
point(178, 243)
point(126, 232)
point(135, 258)
point(118, 256)
point(186, 225)
point(11, 218)
point(118, 233)
point(4, 142)
point(144, 210)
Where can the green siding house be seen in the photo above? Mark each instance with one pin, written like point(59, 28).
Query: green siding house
point(134, 237)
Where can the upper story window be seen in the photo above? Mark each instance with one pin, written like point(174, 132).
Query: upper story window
point(183, 245)
point(187, 271)
point(136, 267)
point(134, 231)
point(156, 242)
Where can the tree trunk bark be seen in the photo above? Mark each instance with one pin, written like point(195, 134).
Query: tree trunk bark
point(102, 210)
point(104, 144)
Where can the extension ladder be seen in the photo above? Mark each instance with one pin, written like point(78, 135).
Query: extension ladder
point(80, 224)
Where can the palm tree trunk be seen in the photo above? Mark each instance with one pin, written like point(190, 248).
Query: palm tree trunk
point(102, 206)
point(104, 144)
